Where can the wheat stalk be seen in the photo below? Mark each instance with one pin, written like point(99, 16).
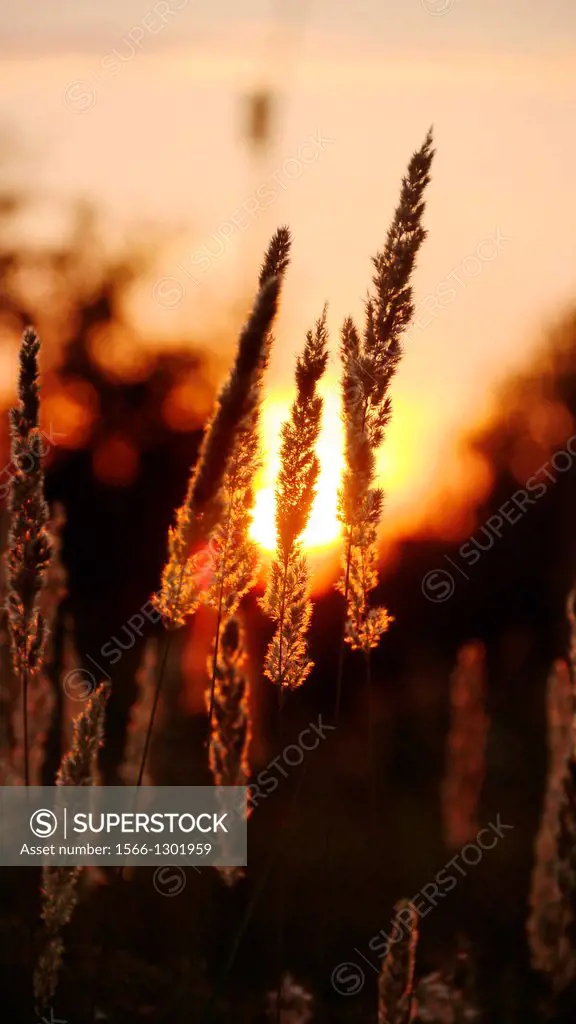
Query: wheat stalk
point(29, 545)
point(286, 599)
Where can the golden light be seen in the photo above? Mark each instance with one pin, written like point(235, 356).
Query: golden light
point(115, 461)
point(414, 484)
point(188, 405)
point(113, 350)
point(323, 530)
point(70, 411)
point(402, 471)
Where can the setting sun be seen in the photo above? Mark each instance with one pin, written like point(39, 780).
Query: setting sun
point(403, 471)
point(323, 529)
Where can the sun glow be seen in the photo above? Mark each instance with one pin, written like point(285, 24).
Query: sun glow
point(323, 530)
point(404, 469)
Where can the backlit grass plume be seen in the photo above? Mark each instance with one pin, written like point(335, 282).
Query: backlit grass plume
point(567, 815)
point(235, 553)
point(466, 747)
point(369, 363)
point(11, 759)
point(230, 738)
point(550, 914)
point(564, 969)
point(43, 706)
point(360, 503)
point(450, 995)
point(60, 884)
point(287, 599)
point(29, 545)
point(552, 923)
point(182, 585)
point(396, 982)
point(139, 717)
point(291, 1003)
point(230, 733)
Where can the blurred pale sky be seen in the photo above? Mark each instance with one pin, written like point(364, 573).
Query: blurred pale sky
point(138, 106)
point(507, 26)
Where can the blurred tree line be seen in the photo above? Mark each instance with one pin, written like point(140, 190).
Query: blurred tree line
point(125, 413)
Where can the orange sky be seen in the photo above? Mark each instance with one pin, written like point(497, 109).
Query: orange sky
point(159, 139)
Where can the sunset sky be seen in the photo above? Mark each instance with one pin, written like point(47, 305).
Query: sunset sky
point(141, 111)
